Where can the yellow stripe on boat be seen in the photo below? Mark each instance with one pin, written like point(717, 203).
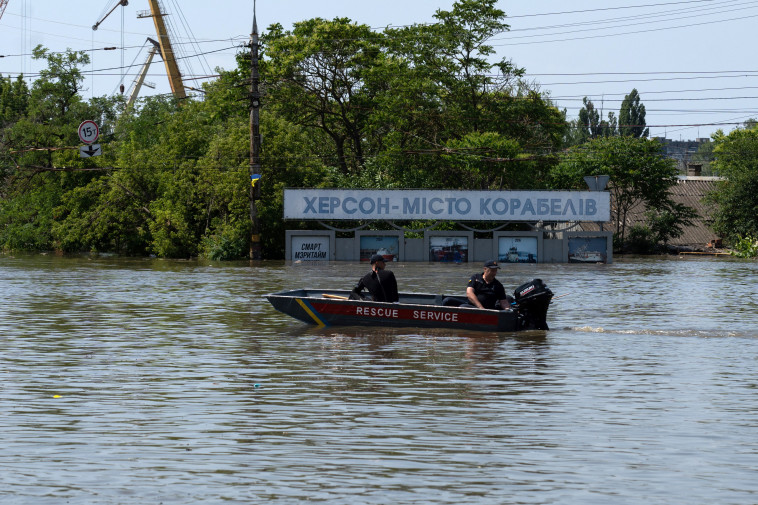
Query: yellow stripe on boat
point(310, 312)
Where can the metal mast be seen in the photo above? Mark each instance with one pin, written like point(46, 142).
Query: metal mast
point(167, 53)
point(255, 143)
point(122, 3)
point(3, 5)
point(140, 79)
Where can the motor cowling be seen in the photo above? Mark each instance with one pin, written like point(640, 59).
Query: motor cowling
point(532, 301)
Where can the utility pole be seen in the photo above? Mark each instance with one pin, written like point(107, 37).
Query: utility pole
point(255, 143)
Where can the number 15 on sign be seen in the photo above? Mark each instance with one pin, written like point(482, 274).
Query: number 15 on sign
point(88, 132)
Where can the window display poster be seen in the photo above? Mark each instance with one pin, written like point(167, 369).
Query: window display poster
point(587, 250)
point(310, 248)
point(448, 249)
point(386, 245)
point(517, 250)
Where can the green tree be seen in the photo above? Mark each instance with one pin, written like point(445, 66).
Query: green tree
point(39, 141)
point(736, 197)
point(444, 92)
point(632, 116)
point(14, 102)
point(639, 175)
point(590, 125)
point(459, 56)
point(589, 120)
point(56, 91)
point(660, 226)
point(172, 192)
point(482, 160)
point(180, 187)
point(14, 99)
point(320, 76)
point(421, 106)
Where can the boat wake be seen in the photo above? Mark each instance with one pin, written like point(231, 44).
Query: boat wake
point(682, 332)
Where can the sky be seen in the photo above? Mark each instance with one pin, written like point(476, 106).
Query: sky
point(691, 61)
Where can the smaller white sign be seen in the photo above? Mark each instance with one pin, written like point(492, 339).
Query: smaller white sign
point(90, 150)
point(88, 132)
point(310, 248)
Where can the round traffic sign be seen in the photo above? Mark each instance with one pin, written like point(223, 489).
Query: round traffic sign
point(88, 132)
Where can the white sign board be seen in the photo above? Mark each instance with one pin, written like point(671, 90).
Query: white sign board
point(90, 150)
point(310, 248)
point(88, 132)
point(449, 205)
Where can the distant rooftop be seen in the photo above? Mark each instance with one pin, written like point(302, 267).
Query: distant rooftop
point(690, 191)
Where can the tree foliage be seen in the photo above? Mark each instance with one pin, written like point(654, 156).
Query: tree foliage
point(395, 105)
point(639, 175)
point(14, 99)
point(322, 77)
point(736, 197)
point(344, 105)
point(590, 124)
point(632, 116)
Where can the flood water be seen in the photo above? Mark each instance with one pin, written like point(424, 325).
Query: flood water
point(144, 381)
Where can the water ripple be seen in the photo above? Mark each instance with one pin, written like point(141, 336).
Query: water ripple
point(148, 381)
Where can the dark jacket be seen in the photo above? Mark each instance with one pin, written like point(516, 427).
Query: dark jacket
point(488, 294)
point(381, 284)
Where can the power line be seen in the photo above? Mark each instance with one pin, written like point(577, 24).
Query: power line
point(618, 34)
point(584, 11)
point(626, 21)
point(667, 72)
point(685, 99)
point(242, 37)
point(127, 67)
point(572, 83)
point(113, 48)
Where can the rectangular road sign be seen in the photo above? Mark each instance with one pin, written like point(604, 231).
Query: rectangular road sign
point(90, 150)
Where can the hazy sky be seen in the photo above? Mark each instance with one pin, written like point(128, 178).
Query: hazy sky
point(691, 61)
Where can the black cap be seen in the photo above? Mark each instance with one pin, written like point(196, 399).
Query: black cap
point(491, 264)
point(376, 257)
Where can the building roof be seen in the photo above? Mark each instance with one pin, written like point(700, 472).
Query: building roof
point(690, 191)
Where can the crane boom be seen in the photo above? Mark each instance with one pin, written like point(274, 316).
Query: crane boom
point(141, 76)
point(167, 53)
point(123, 3)
point(3, 5)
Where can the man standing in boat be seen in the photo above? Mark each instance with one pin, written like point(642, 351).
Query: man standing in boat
point(484, 291)
point(380, 283)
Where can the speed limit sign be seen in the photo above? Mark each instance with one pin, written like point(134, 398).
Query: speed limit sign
point(88, 132)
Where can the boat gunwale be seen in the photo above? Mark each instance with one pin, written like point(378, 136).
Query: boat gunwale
point(292, 294)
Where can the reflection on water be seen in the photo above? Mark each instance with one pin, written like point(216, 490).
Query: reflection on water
point(149, 381)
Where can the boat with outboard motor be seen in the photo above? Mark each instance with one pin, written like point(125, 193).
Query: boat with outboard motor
point(328, 307)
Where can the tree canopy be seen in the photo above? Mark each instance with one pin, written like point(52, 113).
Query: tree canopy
point(590, 124)
point(344, 105)
point(639, 175)
point(632, 117)
point(736, 197)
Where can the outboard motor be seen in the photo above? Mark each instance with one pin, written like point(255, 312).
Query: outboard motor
point(532, 301)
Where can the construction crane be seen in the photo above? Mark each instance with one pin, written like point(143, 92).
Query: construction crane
point(167, 53)
point(122, 3)
point(3, 5)
point(140, 79)
point(164, 45)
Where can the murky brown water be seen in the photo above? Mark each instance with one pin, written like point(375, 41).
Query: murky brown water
point(130, 381)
